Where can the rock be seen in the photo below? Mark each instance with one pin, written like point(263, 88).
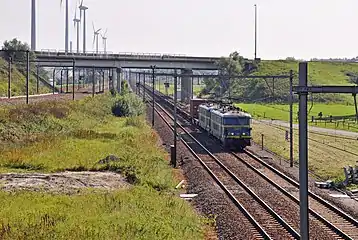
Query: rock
point(109, 159)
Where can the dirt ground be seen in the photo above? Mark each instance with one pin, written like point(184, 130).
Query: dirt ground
point(66, 182)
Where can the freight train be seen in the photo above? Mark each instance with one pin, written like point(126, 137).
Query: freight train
point(228, 124)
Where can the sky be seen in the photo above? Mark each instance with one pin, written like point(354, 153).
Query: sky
point(286, 28)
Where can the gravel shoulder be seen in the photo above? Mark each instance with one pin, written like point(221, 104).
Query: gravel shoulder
point(211, 200)
point(349, 205)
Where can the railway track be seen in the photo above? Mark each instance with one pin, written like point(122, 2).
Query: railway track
point(266, 223)
point(327, 221)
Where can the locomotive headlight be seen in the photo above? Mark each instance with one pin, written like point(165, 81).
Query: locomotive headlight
point(232, 134)
point(244, 134)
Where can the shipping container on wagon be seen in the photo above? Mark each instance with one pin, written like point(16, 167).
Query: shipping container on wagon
point(194, 105)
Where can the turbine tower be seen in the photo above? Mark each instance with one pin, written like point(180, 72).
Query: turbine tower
point(95, 36)
point(66, 26)
point(76, 23)
point(83, 8)
point(33, 25)
point(104, 38)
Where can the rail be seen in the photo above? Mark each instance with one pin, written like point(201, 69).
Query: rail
point(206, 164)
point(352, 223)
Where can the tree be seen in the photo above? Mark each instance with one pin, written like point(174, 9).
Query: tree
point(230, 66)
point(16, 50)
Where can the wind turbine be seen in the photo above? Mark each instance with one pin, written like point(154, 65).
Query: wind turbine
point(95, 36)
point(76, 23)
point(104, 38)
point(83, 8)
point(33, 25)
point(66, 26)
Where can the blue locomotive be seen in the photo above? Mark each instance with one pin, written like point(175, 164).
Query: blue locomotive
point(228, 124)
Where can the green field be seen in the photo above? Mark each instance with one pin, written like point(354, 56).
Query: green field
point(18, 84)
point(281, 112)
point(50, 137)
point(324, 160)
point(327, 73)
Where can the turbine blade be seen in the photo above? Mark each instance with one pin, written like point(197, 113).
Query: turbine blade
point(105, 33)
point(81, 3)
point(94, 30)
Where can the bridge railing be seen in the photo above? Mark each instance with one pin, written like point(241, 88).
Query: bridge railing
point(54, 52)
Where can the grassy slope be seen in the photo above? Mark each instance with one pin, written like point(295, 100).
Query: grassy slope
point(18, 85)
point(327, 73)
point(85, 133)
point(324, 160)
point(319, 73)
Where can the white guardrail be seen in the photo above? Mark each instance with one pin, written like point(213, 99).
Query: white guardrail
point(54, 52)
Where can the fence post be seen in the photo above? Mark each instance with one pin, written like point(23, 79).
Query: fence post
point(262, 141)
point(355, 104)
point(27, 75)
point(73, 78)
point(9, 82)
point(37, 79)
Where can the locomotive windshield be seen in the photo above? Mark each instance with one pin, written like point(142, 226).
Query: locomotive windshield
point(237, 121)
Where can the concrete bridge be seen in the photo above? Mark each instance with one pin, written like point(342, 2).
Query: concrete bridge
point(120, 61)
point(124, 60)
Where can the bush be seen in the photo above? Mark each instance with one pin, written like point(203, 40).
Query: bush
point(128, 105)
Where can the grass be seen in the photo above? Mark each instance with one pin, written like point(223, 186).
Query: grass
point(74, 136)
point(319, 73)
point(324, 73)
point(327, 154)
point(281, 112)
point(139, 213)
point(196, 88)
point(18, 84)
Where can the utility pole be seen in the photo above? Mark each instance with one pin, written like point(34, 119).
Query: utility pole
point(27, 75)
point(66, 30)
point(153, 88)
point(73, 78)
point(53, 81)
point(143, 86)
point(303, 154)
point(175, 118)
point(291, 119)
point(37, 79)
point(255, 32)
point(66, 80)
point(355, 104)
point(93, 83)
point(33, 25)
point(9, 80)
point(61, 81)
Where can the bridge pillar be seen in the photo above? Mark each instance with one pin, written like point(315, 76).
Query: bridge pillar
point(119, 80)
point(114, 78)
point(186, 85)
